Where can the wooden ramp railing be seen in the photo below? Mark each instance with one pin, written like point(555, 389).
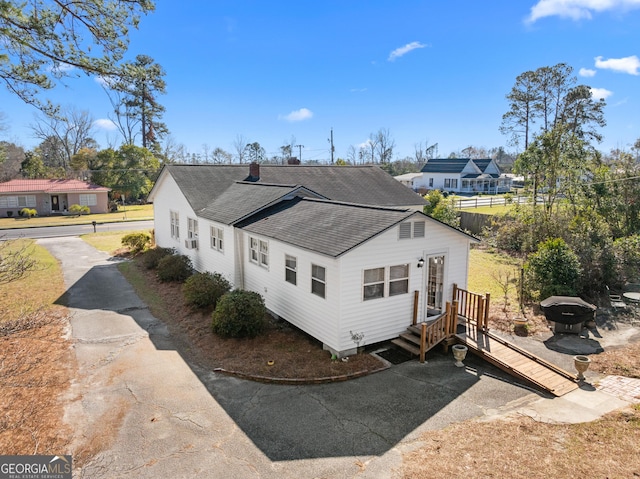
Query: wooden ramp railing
point(473, 309)
point(438, 329)
point(472, 306)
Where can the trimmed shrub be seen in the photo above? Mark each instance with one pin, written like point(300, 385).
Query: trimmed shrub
point(28, 212)
point(152, 257)
point(203, 290)
point(9, 214)
point(239, 314)
point(553, 270)
point(79, 210)
point(176, 268)
point(136, 242)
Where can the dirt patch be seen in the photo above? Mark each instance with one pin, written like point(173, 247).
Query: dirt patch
point(282, 351)
point(37, 365)
point(523, 448)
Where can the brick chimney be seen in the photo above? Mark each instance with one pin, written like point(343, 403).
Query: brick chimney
point(254, 171)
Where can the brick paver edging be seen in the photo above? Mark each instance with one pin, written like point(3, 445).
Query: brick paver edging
point(299, 381)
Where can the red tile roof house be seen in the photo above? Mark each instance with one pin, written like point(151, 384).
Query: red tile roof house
point(51, 197)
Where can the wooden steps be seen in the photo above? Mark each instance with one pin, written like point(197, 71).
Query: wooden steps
point(519, 362)
point(501, 353)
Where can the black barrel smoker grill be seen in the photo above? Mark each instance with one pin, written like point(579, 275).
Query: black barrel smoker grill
point(567, 313)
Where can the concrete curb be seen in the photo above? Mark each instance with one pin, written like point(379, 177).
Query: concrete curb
point(298, 381)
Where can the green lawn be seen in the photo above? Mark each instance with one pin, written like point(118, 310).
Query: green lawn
point(128, 213)
point(108, 242)
point(488, 270)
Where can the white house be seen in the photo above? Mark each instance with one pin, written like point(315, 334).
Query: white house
point(462, 175)
point(323, 262)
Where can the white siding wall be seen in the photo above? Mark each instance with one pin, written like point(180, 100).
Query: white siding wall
point(384, 318)
point(211, 259)
point(295, 303)
point(438, 181)
point(170, 198)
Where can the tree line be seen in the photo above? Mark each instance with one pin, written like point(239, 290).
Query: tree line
point(582, 231)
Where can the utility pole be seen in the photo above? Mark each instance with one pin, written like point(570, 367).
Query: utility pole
point(332, 147)
point(300, 147)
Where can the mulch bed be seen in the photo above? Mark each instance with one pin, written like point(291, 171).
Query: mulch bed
point(294, 354)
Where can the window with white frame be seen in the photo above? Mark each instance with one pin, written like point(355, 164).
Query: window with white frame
point(398, 279)
point(28, 201)
point(253, 250)
point(318, 280)
point(373, 283)
point(175, 224)
point(385, 281)
point(217, 238)
point(450, 182)
point(259, 252)
point(430, 182)
point(192, 228)
point(88, 199)
point(264, 253)
point(290, 269)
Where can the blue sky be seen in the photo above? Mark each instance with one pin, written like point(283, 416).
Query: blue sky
point(425, 70)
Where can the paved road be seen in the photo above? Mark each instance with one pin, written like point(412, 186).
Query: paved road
point(139, 410)
point(72, 230)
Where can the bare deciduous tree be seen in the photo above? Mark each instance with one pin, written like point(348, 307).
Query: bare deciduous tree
point(240, 145)
point(15, 261)
point(67, 132)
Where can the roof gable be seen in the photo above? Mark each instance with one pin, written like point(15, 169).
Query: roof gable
point(244, 198)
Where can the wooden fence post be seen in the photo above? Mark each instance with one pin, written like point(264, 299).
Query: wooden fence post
point(480, 314)
point(454, 318)
point(415, 307)
point(455, 292)
point(423, 341)
point(487, 299)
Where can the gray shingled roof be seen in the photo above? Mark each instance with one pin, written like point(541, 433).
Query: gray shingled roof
point(445, 165)
point(244, 198)
point(453, 165)
point(482, 163)
point(322, 226)
point(202, 184)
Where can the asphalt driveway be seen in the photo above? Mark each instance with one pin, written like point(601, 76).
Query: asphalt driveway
point(138, 409)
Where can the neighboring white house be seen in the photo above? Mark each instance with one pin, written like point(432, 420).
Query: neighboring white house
point(462, 175)
point(330, 266)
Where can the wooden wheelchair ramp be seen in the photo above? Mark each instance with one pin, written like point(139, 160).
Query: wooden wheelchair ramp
point(518, 362)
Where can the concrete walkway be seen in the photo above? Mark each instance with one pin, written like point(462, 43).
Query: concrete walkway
point(138, 410)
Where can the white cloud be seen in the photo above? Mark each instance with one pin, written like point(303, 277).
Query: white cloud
point(628, 65)
point(60, 68)
point(297, 115)
point(577, 9)
point(398, 52)
point(105, 124)
point(587, 72)
point(600, 93)
point(358, 90)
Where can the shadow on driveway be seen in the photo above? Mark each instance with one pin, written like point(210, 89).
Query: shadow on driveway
point(362, 417)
